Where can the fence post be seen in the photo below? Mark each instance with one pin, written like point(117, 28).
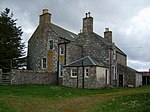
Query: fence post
point(0, 76)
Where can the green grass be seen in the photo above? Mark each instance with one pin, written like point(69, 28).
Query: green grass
point(4, 107)
point(51, 92)
point(41, 98)
point(139, 102)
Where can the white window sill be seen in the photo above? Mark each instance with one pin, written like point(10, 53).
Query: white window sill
point(86, 76)
point(73, 76)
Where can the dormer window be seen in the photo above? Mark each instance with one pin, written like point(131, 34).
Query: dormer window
point(51, 44)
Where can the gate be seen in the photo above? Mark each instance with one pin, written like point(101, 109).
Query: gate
point(5, 77)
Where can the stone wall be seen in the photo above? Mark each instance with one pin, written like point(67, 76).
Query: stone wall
point(38, 48)
point(129, 75)
point(95, 80)
point(73, 52)
point(121, 59)
point(94, 47)
point(32, 77)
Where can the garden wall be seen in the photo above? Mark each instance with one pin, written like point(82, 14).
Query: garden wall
point(33, 77)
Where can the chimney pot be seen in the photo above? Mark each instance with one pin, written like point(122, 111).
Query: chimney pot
point(106, 29)
point(45, 11)
point(86, 15)
point(89, 14)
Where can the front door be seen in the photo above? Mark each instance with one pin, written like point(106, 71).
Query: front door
point(121, 80)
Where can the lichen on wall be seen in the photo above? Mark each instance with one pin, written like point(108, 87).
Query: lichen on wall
point(50, 61)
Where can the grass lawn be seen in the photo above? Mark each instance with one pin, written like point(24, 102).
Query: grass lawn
point(40, 98)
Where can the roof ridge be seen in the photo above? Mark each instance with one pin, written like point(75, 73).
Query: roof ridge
point(91, 60)
point(101, 38)
point(76, 60)
point(64, 28)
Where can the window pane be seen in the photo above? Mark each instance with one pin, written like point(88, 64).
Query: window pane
point(86, 72)
point(44, 62)
point(50, 44)
point(74, 72)
point(61, 50)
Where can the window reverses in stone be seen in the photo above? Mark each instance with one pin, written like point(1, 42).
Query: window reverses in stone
point(115, 72)
point(44, 63)
point(61, 50)
point(73, 72)
point(86, 72)
point(114, 54)
point(51, 44)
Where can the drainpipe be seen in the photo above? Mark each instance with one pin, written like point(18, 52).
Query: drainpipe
point(110, 66)
point(65, 54)
point(58, 66)
point(149, 77)
point(82, 69)
point(77, 76)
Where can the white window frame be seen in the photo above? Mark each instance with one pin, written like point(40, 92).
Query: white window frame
point(60, 71)
point(86, 72)
point(74, 71)
point(49, 44)
point(61, 51)
point(44, 67)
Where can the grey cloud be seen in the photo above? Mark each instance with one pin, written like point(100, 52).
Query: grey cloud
point(115, 14)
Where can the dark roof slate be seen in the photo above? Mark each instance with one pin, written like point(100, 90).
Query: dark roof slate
point(87, 61)
point(120, 51)
point(129, 68)
point(61, 32)
point(102, 39)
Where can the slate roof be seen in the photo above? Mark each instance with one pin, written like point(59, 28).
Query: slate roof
point(72, 36)
point(63, 32)
point(129, 68)
point(102, 39)
point(87, 62)
point(119, 51)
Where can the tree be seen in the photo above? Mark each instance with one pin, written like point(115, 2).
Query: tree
point(11, 45)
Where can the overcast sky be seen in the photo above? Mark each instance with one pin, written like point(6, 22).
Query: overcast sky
point(129, 21)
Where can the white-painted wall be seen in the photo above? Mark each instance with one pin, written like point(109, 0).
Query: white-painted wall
point(138, 79)
point(101, 74)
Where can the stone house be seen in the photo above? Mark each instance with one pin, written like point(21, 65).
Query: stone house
point(85, 60)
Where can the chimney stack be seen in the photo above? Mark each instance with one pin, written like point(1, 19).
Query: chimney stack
point(87, 23)
point(45, 18)
point(108, 35)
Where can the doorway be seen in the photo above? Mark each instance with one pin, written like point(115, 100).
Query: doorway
point(120, 80)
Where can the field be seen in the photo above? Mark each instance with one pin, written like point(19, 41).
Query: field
point(40, 98)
